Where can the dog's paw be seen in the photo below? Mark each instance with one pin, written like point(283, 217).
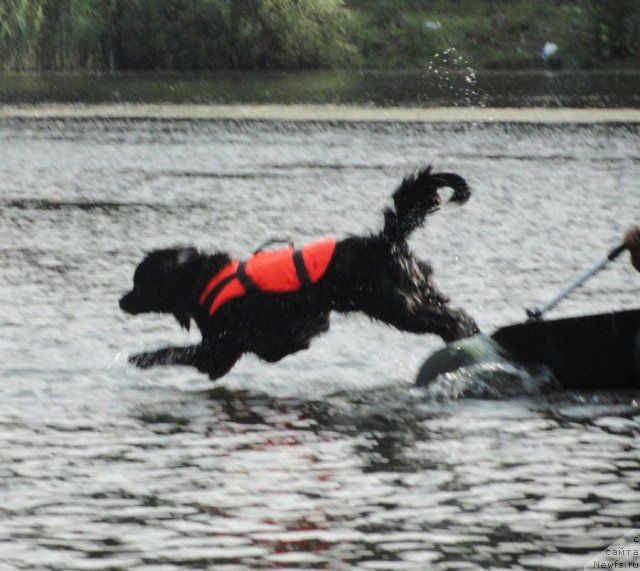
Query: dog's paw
point(465, 325)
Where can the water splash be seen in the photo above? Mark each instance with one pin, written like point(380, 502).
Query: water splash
point(491, 381)
point(455, 75)
point(478, 367)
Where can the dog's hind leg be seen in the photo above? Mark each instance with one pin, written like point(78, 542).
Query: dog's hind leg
point(450, 324)
point(416, 308)
point(389, 284)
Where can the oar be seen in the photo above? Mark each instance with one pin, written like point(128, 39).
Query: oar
point(537, 312)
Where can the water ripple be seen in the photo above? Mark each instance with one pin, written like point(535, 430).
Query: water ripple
point(331, 459)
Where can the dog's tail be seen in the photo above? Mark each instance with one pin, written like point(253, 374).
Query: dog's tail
point(416, 197)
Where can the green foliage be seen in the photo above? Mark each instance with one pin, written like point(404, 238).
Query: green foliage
point(615, 30)
point(400, 39)
point(288, 34)
point(173, 35)
point(198, 35)
point(92, 33)
point(20, 21)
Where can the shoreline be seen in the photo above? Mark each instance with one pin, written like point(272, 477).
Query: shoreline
point(323, 113)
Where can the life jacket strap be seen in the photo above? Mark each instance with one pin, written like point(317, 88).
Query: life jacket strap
point(213, 298)
point(217, 283)
point(301, 268)
point(243, 278)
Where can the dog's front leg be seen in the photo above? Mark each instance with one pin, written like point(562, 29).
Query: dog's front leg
point(167, 356)
point(214, 363)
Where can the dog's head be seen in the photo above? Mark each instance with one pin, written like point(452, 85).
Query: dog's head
point(163, 282)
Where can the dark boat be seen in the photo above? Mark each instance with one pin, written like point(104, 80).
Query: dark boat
point(593, 352)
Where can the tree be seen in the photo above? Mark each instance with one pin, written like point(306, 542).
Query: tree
point(616, 28)
point(53, 34)
point(20, 22)
point(291, 33)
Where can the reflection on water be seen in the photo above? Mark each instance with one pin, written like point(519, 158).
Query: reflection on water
point(432, 87)
point(331, 459)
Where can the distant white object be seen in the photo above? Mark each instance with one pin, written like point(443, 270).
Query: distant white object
point(432, 25)
point(548, 50)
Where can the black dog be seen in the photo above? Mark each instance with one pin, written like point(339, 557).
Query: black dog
point(275, 303)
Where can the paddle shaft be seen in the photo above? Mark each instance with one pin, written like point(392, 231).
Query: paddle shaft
point(540, 310)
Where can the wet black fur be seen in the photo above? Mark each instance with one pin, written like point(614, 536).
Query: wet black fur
point(376, 275)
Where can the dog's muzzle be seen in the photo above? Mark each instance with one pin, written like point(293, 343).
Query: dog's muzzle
point(131, 303)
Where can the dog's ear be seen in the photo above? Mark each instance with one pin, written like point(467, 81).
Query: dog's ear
point(185, 255)
point(176, 259)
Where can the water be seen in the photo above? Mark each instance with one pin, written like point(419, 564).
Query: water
point(330, 459)
point(448, 81)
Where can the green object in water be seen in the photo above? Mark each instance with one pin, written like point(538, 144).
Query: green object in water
point(462, 353)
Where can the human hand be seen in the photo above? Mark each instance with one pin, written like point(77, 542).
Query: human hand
point(632, 241)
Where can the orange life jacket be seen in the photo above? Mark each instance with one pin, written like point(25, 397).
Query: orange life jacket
point(277, 271)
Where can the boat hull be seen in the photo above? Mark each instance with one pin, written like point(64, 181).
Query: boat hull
point(593, 352)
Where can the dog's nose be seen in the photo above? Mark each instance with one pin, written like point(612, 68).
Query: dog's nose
point(125, 302)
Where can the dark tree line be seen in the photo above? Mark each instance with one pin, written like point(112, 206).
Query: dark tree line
point(197, 35)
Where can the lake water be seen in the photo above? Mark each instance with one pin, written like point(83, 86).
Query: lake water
point(330, 459)
point(459, 86)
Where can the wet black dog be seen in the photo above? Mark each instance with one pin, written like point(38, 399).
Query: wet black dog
point(275, 303)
